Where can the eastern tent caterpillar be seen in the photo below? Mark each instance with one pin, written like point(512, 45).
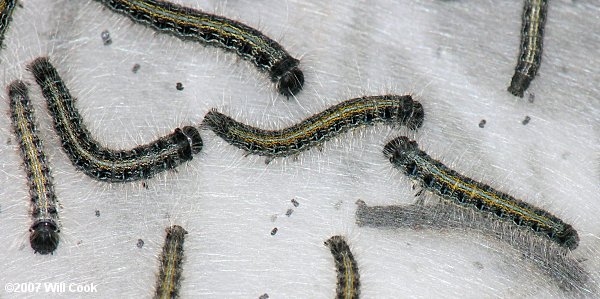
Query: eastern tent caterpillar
point(532, 36)
point(97, 161)
point(168, 283)
point(391, 109)
point(348, 279)
point(550, 258)
point(44, 236)
point(6, 10)
point(190, 24)
point(437, 178)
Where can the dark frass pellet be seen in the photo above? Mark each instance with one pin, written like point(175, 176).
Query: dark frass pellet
point(106, 37)
point(274, 231)
point(136, 68)
point(482, 123)
point(97, 213)
point(295, 203)
point(526, 120)
point(179, 86)
point(140, 243)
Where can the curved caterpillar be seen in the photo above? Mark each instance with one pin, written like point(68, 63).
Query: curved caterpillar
point(6, 10)
point(97, 161)
point(532, 37)
point(348, 279)
point(437, 178)
point(44, 236)
point(392, 109)
point(167, 285)
point(190, 24)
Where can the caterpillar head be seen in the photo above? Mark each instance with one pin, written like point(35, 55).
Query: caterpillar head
point(288, 76)
point(568, 237)
point(399, 152)
point(399, 147)
point(409, 112)
point(194, 138)
point(44, 236)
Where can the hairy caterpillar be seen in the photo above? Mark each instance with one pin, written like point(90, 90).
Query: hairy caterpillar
point(190, 24)
point(532, 37)
point(437, 178)
point(44, 236)
point(167, 285)
point(97, 161)
point(348, 279)
point(6, 10)
point(392, 109)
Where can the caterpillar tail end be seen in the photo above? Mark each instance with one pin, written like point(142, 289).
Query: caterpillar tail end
point(40, 67)
point(217, 122)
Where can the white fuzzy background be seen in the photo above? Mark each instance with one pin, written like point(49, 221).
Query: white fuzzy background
point(455, 57)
